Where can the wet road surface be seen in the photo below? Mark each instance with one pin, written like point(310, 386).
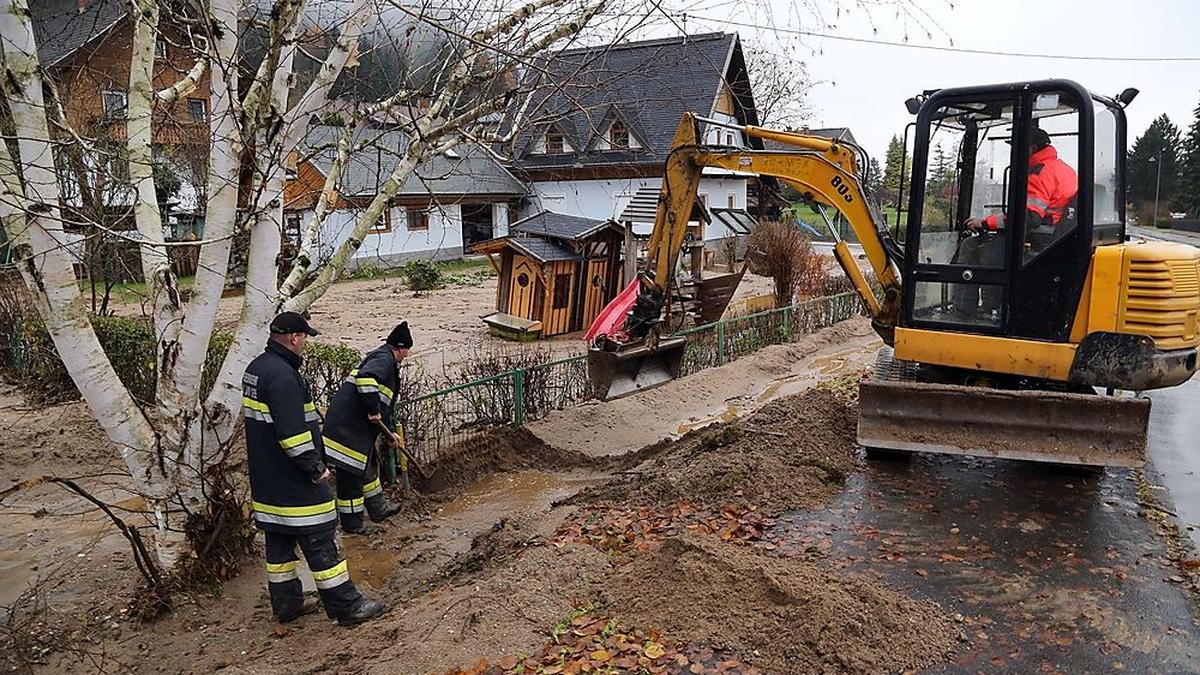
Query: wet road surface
point(1175, 451)
point(1050, 570)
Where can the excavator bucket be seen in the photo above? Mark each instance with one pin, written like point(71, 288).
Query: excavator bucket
point(1038, 426)
point(619, 373)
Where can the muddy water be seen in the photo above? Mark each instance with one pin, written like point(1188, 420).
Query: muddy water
point(1174, 450)
point(418, 548)
point(31, 547)
point(838, 363)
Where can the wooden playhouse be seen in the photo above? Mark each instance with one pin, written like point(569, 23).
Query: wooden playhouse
point(556, 272)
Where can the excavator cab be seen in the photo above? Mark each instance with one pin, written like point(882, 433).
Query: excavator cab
point(1040, 165)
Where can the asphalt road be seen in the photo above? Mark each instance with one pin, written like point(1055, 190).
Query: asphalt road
point(1175, 426)
point(1048, 570)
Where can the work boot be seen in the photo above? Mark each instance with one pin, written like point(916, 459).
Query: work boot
point(305, 609)
point(384, 510)
point(365, 611)
point(363, 528)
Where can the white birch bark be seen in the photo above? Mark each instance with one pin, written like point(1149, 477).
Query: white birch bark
point(165, 298)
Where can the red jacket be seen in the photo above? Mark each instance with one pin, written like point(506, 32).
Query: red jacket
point(1053, 185)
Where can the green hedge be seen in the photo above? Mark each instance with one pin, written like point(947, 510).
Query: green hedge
point(34, 363)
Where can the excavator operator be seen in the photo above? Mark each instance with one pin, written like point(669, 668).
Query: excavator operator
point(1050, 197)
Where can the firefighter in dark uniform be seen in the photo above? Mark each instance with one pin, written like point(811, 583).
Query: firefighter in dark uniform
point(360, 406)
point(289, 482)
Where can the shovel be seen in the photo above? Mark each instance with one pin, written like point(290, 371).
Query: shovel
point(407, 455)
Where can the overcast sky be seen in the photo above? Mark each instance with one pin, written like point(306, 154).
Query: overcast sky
point(864, 86)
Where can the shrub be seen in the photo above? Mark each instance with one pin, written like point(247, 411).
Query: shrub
point(780, 251)
point(325, 366)
point(29, 356)
point(422, 275)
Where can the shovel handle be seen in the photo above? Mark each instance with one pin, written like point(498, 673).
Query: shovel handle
point(411, 460)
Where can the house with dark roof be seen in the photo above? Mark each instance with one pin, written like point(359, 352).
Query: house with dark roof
point(452, 201)
point(556, 272)
point(85, 47)
point(605, 117)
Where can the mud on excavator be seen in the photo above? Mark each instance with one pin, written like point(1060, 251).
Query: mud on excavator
point(1032, 341)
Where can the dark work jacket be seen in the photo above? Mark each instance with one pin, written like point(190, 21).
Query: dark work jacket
point(283, 445)
point(370, 388)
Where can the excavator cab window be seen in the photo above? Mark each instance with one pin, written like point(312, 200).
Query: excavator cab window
point(962, 172)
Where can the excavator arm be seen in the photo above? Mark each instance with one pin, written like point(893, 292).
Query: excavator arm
point(829, 173)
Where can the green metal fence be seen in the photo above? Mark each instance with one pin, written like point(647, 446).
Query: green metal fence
point(437, 422)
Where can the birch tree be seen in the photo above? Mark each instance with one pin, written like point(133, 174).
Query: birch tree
point(257, 117)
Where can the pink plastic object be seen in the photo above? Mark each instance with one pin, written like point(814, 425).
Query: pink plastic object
point(612, 316)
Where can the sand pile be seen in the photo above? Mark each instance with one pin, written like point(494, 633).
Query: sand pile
point(499, 449)
point(794, 616)
point(794, 452)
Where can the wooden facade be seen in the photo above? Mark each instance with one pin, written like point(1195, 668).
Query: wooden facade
point(554, 279)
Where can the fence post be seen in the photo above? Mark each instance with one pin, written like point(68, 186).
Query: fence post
point(721, 342)
point(518, 385)
point(787, 323)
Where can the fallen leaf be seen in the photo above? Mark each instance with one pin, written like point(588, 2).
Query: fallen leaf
point(508, 662)
point(600, 655)
point(654, 650)
point(922, 573)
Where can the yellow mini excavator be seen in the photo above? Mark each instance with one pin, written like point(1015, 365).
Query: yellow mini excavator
point(1023, 340)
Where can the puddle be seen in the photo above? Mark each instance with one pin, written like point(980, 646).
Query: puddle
point(730, 414)
point(513, 492)
point(32, 546)
point(369, 566)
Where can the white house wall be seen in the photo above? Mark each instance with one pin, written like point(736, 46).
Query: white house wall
point(443, 239)
point(601, 199)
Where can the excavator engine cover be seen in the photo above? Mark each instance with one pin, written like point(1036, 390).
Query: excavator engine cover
point(625, 371)
point(1041, 426)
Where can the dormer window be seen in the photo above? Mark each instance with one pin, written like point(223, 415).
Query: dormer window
point(556, 143)
point(618, 136)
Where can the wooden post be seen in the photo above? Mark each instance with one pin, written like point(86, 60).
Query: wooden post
point(630, 255)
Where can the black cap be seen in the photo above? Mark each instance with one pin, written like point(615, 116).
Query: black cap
point(400, 336)
point(291, 322)
point(1037, 138)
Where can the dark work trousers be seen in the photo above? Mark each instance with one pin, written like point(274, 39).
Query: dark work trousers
point(328, 567)
point(358, 494)
point(974, 300)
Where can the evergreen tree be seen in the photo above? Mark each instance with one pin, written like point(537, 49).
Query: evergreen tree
point(874, 181)
point(896, 165)
point(1159, 144)
point(1187, 190)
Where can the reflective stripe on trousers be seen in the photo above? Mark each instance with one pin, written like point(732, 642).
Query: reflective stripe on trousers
point(351, 505)
point(373, 488)
point(295, 516)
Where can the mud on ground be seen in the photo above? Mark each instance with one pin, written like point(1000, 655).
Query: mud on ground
point(791, 453)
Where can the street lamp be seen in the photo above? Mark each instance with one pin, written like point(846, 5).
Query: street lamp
point(1157, 180)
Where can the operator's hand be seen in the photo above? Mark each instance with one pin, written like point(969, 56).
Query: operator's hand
point(975, 223)
point(375, 417)
point(395, 440)
point(324, 477)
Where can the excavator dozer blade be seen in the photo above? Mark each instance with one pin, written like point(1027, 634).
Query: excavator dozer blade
point(614, 374)
point(1038, 426)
